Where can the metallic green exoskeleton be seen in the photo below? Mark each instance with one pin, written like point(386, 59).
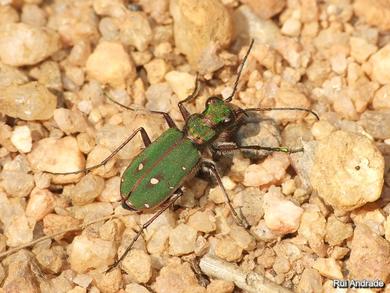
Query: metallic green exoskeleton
point(155, 176)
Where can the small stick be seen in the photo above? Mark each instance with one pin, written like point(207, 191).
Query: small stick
point(76, 228)
point(251, 282)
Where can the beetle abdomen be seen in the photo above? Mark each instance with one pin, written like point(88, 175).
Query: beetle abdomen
point(159, 170)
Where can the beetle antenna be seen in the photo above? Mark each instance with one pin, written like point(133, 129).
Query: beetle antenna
point(281, 109)
point(229, 99)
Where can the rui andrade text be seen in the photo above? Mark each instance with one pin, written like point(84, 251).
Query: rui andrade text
point(358, 284)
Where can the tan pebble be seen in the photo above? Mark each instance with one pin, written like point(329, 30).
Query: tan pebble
point(250, 201)
point(382, 98)
point(87, 252)
point(87, 189)
point(85, 142)
point(328, 267)
point(193, 31)
point(138, 265)
point(361, 49)
point(387, 228)
point(156, 70)
point(242, 238)
point(220, 286)
point(182, 240)
point(57, 155)
point(96, 156)
point(310, 281)
point(82, 280)
point(376, 123)
point(117, 72)
point(266, 9)
point(40, 204)
point(177, 278)
point(272, 170)
point(21, 138)
point(17, 228)
point(288, 187)
point(322, 129)
point(372, 218)
point(339, 63)
point(339, 253)
point(281, 215)
point(290, 97)
point(216, 195)
point(281, 265)
point(228, 249)
point(53, 223)
point(136, 288)
point(112, 229)
point(23, 44)
point(380, 65)
point(202, 221)
point(52, 259)
point(79, 54)
point(77, 289)
point(262, 232)
point(370, 255)
point(112, 8)
point(182, 83)
point(291, 27)
point(359, 167)
point(30, 101)
point(135, 30)
point(312, 227)
point(69, 121)
point(111, 192)
point(17, 183)
point(373, 12)
point(337, 231)
point(8, 14)
point(159, 240)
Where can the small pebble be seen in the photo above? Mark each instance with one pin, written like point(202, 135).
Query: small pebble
point(361, 49)
point(16, 183)
point(328, 267)
point(21, 138)
point(291, 27)
point(182, 83)
point(30, 101)
point(376, 123)
point(138, 265)
point(373, 12)
point(370, 255)
point(382, 98)
point(177, 278)
point(22, 44)
point(337, 231)
point(40, 204)
point(156, 70)
point(281, 215)
point(271, 171)
point(117, 72)
point(310, 281)
point(57, 155)
point(359, 167)
point(82, 280)
point(266, 8)
point(135, 30)
point(194, 32)
point(227, 249)
point(322, 129)
point(87, 189)
point(220, 286)
point(52, 260)
point(87, 252)
point(69, 121)
point(53, 223)
point(380, 65)
point(374, 219)
point(182, 240)
point(387, 228)
point(202, 221)
point(136, 288)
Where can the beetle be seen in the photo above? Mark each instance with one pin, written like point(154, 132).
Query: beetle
point(154, 178)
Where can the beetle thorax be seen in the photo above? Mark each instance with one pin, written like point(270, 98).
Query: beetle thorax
point(205, 127)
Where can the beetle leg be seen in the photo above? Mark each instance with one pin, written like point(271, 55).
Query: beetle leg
point(170, 202)
point(211, 166)
point(223, 148)
point(184, 112)
point(145, 138)
point(166, 116)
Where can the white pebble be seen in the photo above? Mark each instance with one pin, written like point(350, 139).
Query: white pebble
point(21, 138)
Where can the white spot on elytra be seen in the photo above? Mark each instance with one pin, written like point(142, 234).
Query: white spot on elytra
point(146, 205)
point(183, 168)
point(140, 166)
point(171, 187)
point(154, 181)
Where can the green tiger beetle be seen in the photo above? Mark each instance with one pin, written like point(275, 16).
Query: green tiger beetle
point(154, 178)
